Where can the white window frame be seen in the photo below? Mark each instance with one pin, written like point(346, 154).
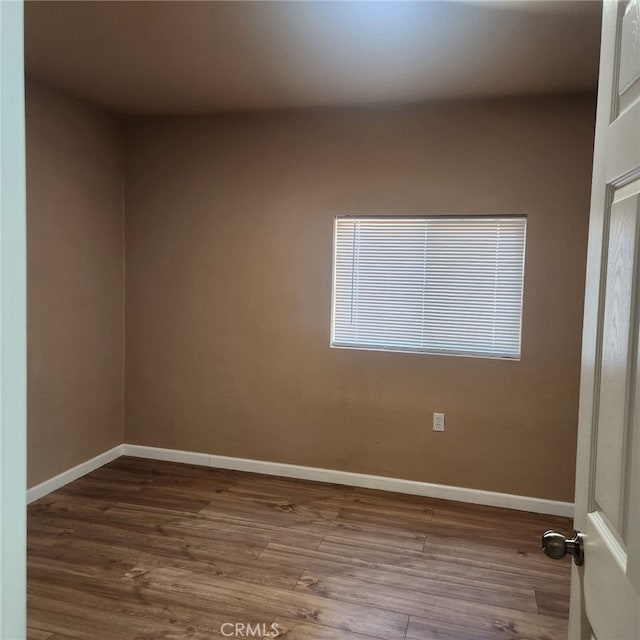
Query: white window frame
point(427, 351)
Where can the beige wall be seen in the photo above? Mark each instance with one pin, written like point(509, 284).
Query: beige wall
point(75, 282)
point(229, 247)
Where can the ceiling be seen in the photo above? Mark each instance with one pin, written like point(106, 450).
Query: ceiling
point(198, 57)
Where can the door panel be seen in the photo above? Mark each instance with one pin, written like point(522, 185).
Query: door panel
point(624, 151)
point(609, 597)
point(629, 75)
point(615, 370)
point(605, 595)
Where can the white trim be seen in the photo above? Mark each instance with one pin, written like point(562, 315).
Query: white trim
point(412, 487)
point(13, 325)
point(383, 483)
point(174, 455)
point(46, 487)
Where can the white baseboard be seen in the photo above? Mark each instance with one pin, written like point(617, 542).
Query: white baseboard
point(46, 487)
point(412, 487)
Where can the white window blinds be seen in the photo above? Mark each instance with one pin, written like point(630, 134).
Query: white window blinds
point(433, 284)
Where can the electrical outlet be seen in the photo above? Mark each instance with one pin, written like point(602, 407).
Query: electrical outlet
point(438, 421)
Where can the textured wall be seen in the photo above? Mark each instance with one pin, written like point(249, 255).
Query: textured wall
point(75, 282)
point(229, 248)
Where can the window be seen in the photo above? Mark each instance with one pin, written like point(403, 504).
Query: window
point(429, 284)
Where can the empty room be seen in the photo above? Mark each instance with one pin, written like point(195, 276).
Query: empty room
point(320, 320)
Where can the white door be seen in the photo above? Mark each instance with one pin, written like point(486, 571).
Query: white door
point(605, 591)
point(13, 391)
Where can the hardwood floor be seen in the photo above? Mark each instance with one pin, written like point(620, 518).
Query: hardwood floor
point(141, 549)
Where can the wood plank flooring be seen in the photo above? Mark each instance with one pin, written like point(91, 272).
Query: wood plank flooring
point(156, 550)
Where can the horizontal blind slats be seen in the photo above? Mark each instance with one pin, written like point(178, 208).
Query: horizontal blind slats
point(449, 285)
